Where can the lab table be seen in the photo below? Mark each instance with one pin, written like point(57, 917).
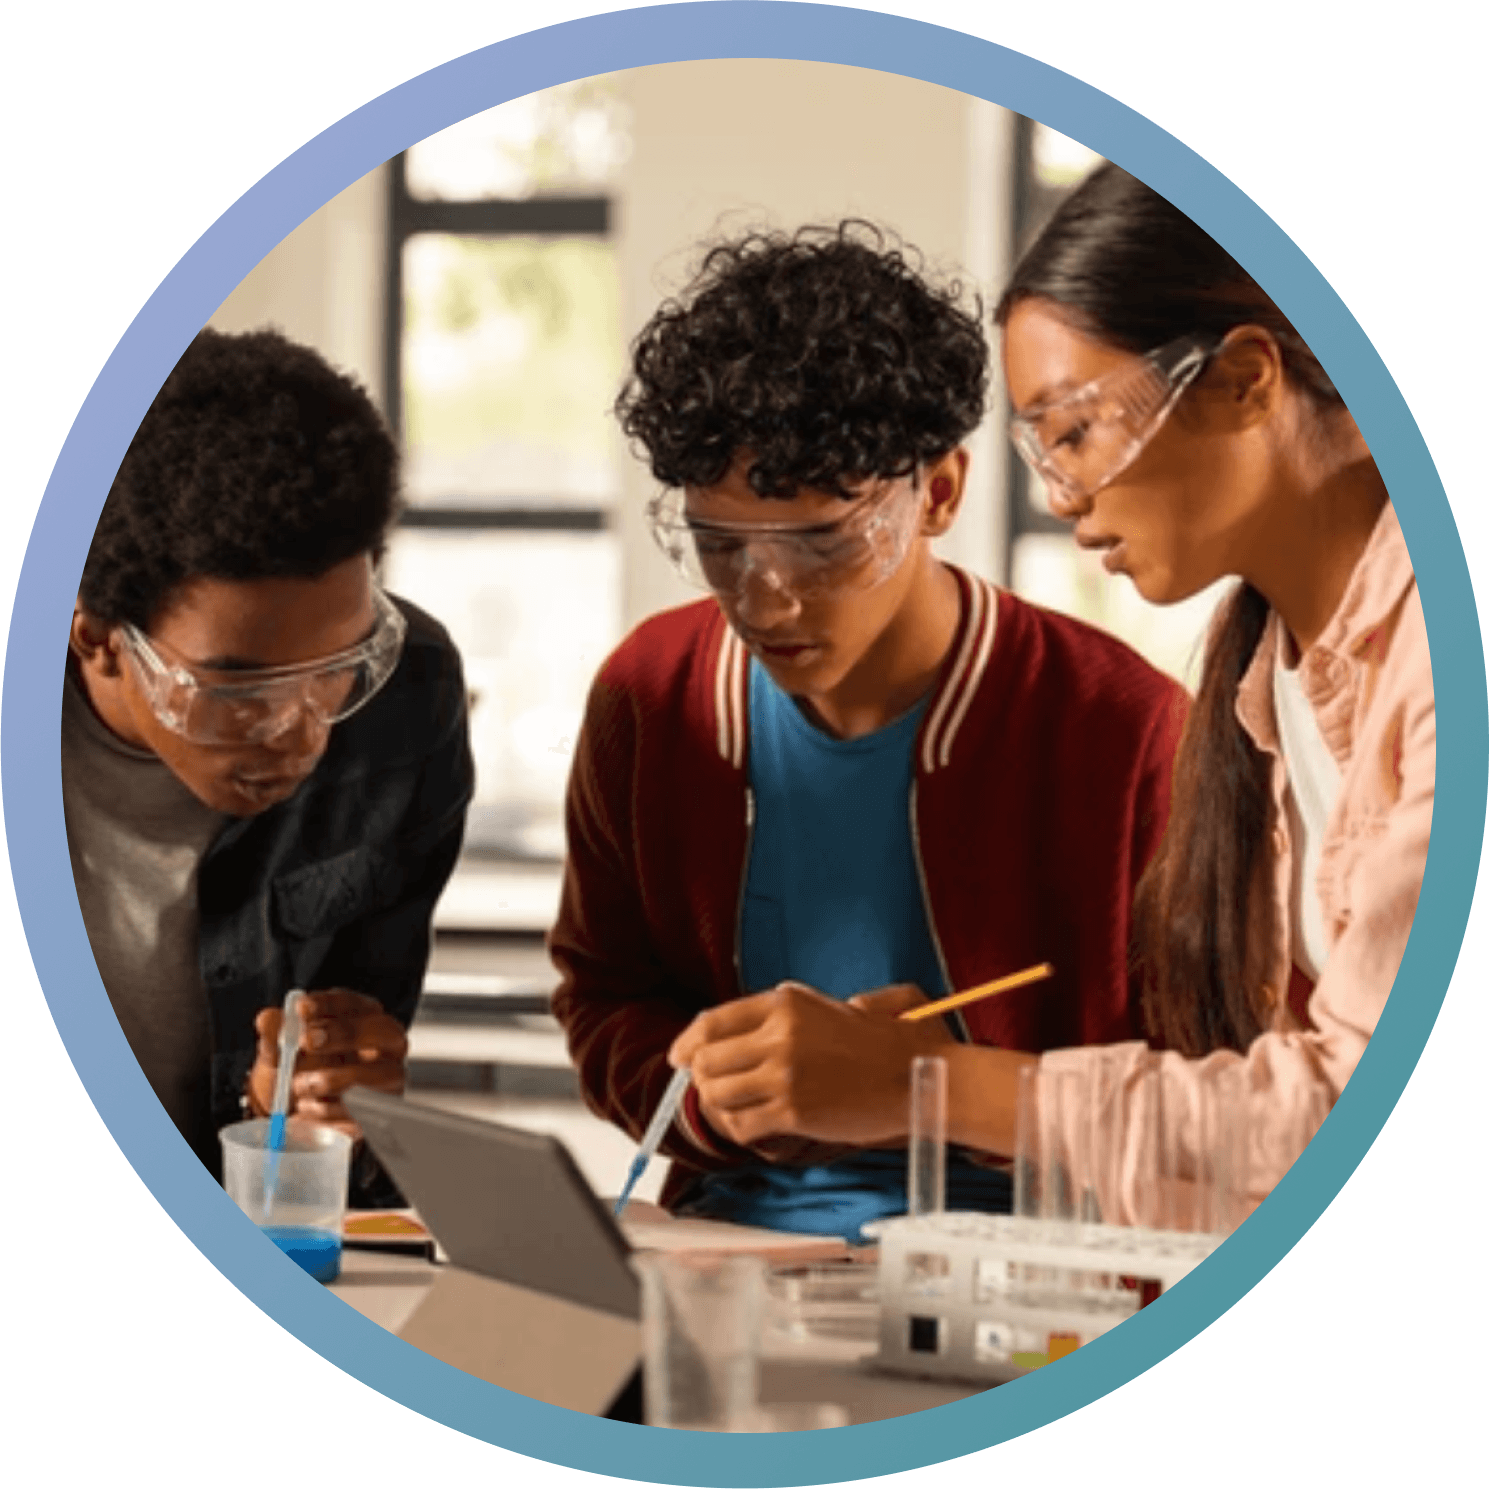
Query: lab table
point(386, 1288)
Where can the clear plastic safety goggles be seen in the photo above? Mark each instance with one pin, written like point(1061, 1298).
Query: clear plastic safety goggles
point(214, 707)
point(857, 551)
point(1086, 439)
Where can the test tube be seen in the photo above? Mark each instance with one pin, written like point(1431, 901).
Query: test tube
point(1026, 1167)
point(1172, 1189)
point(1061, 1113)
point(927, 1179)
point(1167, 1120)
point(1093, 1134)
point(1208, 1158)
point(1235, 1107)
point(1157, 1175)
point(1111, 1141)
point(1141, 1156)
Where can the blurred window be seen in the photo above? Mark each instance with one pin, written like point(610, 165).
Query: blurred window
point(511, 355)
point(504, 354)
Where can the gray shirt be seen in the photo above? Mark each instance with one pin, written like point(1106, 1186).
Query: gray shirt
point(136, 836)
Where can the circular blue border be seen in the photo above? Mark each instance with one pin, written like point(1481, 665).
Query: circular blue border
point(29, 764)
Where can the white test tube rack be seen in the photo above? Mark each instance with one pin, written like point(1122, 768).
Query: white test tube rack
point(989, 1297)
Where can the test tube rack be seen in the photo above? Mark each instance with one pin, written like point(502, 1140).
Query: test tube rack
point(978, 1297)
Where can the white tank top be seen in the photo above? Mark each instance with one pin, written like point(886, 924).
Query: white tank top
point(1312, 787)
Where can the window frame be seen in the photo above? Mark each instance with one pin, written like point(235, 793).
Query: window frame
point(548, 216)
point(1031, 205)
point(555, 215)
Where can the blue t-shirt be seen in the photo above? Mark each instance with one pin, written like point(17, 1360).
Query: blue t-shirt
point(833, 899)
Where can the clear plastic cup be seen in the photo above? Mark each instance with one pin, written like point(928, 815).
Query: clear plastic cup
point(701, 1321)
point(832, 1304)
point(296, 1196)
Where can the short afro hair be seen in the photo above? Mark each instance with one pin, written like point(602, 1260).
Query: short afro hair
point(256, 460)
point(825, 353)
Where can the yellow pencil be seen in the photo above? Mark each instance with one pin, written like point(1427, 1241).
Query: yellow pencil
point(976, 994)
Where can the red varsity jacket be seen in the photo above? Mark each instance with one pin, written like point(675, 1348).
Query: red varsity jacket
point(1041, 790)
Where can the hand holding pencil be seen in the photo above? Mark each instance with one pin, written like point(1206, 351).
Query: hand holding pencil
point(792, 1062)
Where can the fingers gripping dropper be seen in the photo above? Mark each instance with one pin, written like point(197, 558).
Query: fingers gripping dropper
point(651, 1139)
point(289, 1044)
point(677, 1087)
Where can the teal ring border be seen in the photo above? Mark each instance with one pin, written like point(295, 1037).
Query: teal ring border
point(29, 769)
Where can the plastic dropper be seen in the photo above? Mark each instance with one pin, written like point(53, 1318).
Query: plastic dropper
point(651, 1139)
point(289, 1045)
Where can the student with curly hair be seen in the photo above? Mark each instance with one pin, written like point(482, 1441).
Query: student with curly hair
point(265, 764)
point(854, 777)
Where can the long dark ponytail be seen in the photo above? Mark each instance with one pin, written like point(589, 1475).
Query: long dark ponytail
point(1191, 911)
point(1128, 268)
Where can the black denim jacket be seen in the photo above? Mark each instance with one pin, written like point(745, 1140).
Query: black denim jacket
point(335, 887)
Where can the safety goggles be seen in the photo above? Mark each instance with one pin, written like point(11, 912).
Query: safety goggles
point(1086, 439)
point(857, 551)
point(214, 707)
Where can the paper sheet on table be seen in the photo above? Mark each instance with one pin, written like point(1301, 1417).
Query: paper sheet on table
point(650, 1228)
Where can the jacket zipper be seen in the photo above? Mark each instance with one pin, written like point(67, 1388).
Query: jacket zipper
point(955, 1016)
point(744, 876)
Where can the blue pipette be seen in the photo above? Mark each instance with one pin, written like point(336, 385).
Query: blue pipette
point(289, 1045)
point(651, 1139)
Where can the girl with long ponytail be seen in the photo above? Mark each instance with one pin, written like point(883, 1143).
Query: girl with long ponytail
point(1183, 428)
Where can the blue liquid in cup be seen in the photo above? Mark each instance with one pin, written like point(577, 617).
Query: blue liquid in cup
point(316, 1251)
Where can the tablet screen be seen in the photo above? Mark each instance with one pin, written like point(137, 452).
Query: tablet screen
point(504, 1203)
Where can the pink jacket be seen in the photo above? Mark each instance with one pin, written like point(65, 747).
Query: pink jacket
point(1368, 679)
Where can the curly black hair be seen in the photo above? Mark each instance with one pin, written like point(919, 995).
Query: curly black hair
point(824, 353)
point(256, 460)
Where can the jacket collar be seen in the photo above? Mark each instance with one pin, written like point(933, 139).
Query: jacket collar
point(1354, 638)
point(967, 662)
point(970, 649)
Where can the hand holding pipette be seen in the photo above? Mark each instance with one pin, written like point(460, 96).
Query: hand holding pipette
point(347, 1039)
point(656, 1130)
point(792, 1063)
point(289, 1047)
